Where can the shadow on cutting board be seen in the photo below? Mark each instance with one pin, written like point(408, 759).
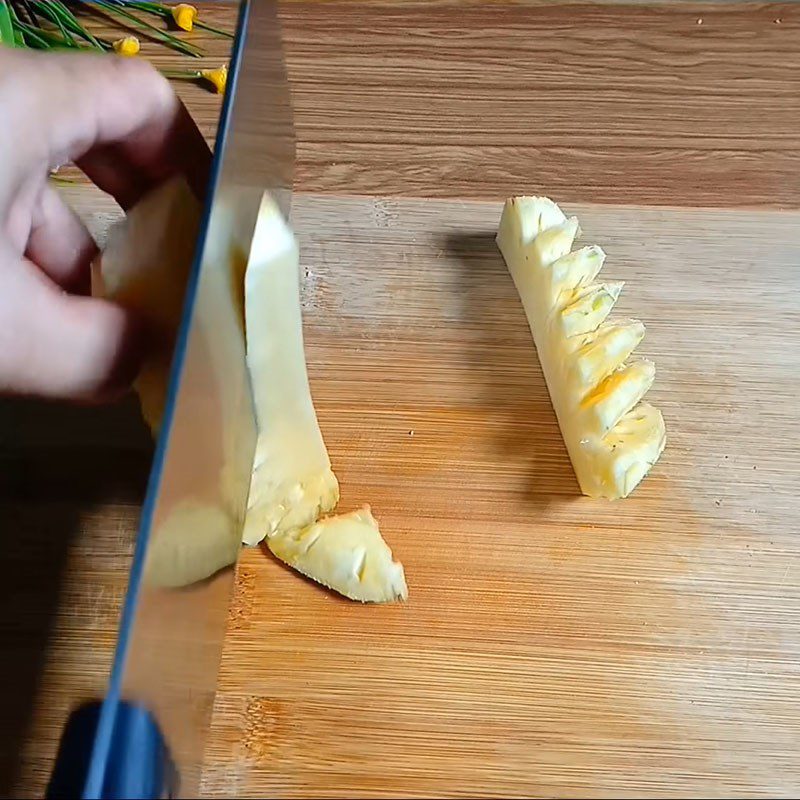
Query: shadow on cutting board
point(503, 358)
point(58, 466)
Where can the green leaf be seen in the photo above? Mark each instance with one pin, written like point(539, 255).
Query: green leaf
point(34, 39)
point(57, 179)
point(150, 8)
point(66, 19)
point(40, 38)
point(45, 10)
point(6, 28)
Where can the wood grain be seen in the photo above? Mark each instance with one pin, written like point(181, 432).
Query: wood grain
point(551, 646)
point(673, 104)
point(677, 103)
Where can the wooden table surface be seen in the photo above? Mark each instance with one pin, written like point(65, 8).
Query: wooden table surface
point(677, 105)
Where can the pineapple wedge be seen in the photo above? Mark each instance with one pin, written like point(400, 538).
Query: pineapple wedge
point(612, 437)
point(345, 553)
point(292, 482)
point(145, 266)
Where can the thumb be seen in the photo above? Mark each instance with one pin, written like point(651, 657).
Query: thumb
point(61, 346)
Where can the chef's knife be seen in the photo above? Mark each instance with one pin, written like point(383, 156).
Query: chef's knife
point(146, 738)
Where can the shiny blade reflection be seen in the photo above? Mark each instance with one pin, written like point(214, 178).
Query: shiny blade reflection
point(171, 635)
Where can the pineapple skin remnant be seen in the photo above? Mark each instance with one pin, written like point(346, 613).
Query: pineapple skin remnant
point(613, 438)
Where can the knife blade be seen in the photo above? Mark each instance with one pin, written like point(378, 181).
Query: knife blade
point(146, 739)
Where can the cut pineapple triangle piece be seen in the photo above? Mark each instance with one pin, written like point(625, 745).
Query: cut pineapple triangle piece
point(553, 243)
point(346, 553)
point(623, 389)
point(612, 438)
point(292, 481)
point(588, 308)
point(625, 455)
point(599, 353)
point(533, 215)
point(578, 268)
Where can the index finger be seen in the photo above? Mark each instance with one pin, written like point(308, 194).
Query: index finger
point(117, 115)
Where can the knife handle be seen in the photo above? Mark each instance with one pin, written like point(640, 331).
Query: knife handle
point(138, 764)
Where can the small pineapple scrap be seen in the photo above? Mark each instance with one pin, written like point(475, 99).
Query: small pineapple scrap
point(345, 553)
point(613, 438)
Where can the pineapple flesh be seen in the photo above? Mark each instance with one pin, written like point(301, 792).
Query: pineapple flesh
point(345, 553)
point(292, 481)
point(145, 267)
point(613, 438)
point(292, 484)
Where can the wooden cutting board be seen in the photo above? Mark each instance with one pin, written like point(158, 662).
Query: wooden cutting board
point(651, 654)
point(551, 644)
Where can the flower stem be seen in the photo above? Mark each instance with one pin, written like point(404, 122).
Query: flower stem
point(218, 31)
point(116, 7)
point(72, 22)
point(44, 9)
point(164, 12)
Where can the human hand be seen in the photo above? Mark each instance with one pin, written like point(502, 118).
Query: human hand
point(121, 123)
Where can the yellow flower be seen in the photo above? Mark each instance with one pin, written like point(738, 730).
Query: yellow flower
point(126, 46)
point(184, 16)
point(218, 77)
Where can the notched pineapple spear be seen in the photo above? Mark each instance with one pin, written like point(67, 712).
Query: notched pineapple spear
point(613, 438)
